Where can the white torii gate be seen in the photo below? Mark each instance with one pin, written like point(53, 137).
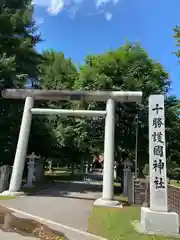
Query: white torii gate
point(55, 95)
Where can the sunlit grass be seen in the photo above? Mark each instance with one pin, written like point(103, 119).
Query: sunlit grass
point(6, 197)
point(116, 224)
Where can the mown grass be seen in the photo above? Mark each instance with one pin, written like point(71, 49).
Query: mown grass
point(6, 197)
point(116, 224)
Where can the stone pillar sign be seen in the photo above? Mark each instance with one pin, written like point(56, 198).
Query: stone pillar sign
point(157, 155)
point(157, 219)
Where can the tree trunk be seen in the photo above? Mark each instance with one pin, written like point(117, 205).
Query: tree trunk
point(72, 168)
point(82, 166)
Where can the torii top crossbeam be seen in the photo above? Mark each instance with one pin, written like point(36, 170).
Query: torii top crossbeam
point(55, 95)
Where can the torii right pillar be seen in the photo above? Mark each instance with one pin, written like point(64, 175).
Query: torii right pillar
point(108, 173)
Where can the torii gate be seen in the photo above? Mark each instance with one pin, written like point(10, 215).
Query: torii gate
point(30, 95)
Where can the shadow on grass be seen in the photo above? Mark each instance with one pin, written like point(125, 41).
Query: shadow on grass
point(64, 177)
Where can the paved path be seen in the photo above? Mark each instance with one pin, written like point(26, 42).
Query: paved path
point(14, 236)
point(66, 203)
point(71, 234)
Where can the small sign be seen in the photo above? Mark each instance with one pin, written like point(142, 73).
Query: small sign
point(157, 154)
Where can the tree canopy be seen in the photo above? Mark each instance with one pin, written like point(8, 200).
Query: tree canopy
point(18, 64)
point(73, 140)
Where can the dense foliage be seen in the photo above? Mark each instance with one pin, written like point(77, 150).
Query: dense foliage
point(18, 64)
point(73, 140)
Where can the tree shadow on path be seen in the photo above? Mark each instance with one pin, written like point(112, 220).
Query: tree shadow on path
point(78, 190)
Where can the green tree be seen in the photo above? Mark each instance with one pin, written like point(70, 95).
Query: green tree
point(56, 72)
point(177, 38)
point(18, 39)
point(127, 68)
point(18, 64)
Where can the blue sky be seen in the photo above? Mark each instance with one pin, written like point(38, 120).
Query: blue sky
point(82, 27)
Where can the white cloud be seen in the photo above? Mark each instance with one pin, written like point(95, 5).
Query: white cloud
point(108, 16)
point(72, 11)
point(102, 2)
point(54, 7)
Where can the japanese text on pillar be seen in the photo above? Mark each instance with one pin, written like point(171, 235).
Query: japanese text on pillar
point(158, 148)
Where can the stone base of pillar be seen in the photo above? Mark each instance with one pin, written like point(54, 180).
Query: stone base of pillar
point(161, 223)
point(12, 194)
point(107, 203)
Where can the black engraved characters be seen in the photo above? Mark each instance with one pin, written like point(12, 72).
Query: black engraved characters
point(158, 148)
point(158, 151)
point(157, 137)
point(158, 165)
point(157, 108)
point(159, 183)
point(157, 122)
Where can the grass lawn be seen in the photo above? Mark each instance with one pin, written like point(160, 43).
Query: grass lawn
point(174, 183)
point(63, 175)
point(115, 224)
point(6, 197)
point(116, 184)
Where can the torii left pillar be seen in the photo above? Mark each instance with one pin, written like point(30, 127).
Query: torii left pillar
point(19, 161)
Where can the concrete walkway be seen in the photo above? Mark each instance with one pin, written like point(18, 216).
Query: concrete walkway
point(13, 236)
point(68, 204)
point(70, 233)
